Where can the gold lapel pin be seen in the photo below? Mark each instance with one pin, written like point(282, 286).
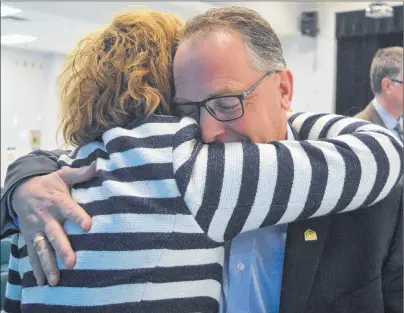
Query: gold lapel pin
point(310, 235)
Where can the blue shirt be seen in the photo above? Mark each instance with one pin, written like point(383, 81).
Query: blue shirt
point(389, 121)
point(253, 268)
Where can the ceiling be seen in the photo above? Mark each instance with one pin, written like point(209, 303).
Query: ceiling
point(59, 25)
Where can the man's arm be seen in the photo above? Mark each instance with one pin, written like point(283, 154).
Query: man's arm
point(38, 192)
point(34, 164)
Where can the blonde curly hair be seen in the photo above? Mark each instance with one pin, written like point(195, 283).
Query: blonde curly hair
point(117, 75)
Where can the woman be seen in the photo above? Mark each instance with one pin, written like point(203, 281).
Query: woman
point(156, 244)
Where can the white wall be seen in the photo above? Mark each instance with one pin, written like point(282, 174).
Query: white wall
point(28, 100)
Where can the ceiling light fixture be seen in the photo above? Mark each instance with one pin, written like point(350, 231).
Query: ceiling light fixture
point(7, 10)
point(16, 38)
point(379, 10)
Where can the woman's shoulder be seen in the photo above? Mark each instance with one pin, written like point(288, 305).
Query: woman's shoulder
point(159, 120)
point(164, 119)
point(154, 131)
point(148, 127)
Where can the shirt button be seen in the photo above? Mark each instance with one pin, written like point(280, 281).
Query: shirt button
point(240, 266)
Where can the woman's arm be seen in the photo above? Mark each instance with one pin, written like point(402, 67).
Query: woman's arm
point(231, 188)
point(12, 301)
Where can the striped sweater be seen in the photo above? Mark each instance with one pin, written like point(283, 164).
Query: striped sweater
point(163, 203)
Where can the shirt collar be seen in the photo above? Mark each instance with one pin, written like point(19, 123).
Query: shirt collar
point(389, 121)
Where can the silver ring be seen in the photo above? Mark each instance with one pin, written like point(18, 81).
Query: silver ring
point(38, 238)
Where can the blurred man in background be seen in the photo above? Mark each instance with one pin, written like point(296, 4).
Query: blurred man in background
point(386, 78)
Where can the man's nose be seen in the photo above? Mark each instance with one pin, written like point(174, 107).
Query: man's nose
point(211, 128)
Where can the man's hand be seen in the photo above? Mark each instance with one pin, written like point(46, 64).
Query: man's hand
point(42, 204)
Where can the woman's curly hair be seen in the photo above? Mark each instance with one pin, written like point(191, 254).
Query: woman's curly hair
point(117, 75)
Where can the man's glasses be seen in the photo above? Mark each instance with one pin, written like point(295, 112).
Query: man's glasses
point(222, 108)
point(396, 81)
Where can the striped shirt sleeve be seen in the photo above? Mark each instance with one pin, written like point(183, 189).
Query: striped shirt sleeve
point(341, 164)
point(12, 301)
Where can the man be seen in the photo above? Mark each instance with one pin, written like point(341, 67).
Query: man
point(336, 272)
point(347, 263)
point(386, 78)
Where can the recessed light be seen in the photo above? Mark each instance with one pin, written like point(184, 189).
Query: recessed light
point(7, 10)
point(16, 38)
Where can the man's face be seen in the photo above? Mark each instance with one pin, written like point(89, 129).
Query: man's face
point(219, 64)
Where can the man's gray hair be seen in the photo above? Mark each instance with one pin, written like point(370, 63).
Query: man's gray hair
point(262, 43)
point(387, 62)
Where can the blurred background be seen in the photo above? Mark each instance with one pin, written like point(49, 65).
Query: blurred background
point(328, 46)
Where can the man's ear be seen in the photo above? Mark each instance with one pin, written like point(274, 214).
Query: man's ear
point(386, 84)
point(286, 88)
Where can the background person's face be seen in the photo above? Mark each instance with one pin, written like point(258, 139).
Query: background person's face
point(393, 94)
point(398, 95)
point(219, 64)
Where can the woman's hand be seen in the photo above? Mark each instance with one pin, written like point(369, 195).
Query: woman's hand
point(43, 204)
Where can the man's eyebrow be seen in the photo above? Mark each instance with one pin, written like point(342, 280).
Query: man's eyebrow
point(224, 91)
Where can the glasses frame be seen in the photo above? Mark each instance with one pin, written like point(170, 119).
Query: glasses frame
point(396, 81)
point(242, 97)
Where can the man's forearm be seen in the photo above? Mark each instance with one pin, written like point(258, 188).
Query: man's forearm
point(34, 164)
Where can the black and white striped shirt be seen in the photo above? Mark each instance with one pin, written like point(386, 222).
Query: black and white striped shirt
point(163, 203)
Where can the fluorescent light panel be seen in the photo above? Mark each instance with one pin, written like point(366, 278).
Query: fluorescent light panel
point(16, 38)
point(7, 10)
